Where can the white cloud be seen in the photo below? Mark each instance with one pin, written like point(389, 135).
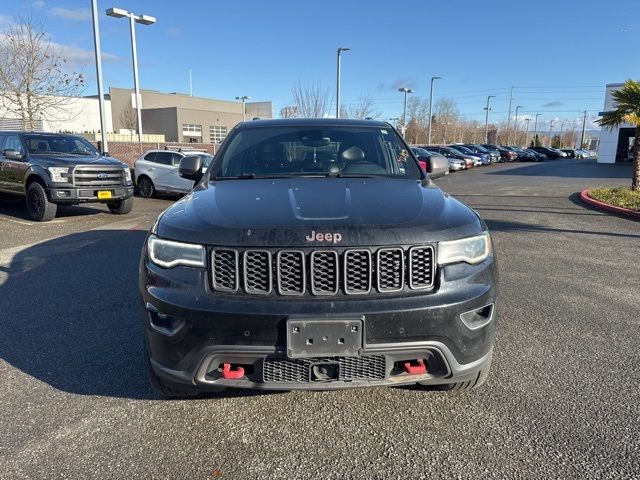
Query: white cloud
point(38, 3)
point(76, 56)
point(80, 14)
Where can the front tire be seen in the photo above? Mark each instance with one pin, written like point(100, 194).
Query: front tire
point(39, 208)
point(121, 207)
point(146, 187)
point(159, 386)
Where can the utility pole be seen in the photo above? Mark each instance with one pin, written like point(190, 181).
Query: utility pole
point(526, 133)
point(509, 117)
point(405, 90)
point(340, 50)
point(584, 122)
point(486, 119)
point(535, 127)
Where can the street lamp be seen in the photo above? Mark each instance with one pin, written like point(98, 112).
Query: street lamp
point(243, 98)
point(395, 121)
point(550, 130)
point(340, 50)
point(96, 45)
point(561, 132)
point(515, 125)
point(535, 127)
point(486, 119)
point(133, 19)
point(433, 79)
point(404, 115)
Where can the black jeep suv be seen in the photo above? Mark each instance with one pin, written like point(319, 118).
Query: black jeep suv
point(316, 254)
point(52, 169)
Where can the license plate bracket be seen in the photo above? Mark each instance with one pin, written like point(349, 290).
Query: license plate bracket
point(324, 338)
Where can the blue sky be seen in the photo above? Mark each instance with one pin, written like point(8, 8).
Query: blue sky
point(557, 54)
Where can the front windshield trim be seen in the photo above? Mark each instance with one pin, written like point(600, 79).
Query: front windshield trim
point(49, 142)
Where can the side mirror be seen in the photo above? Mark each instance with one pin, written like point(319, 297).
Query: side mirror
point(13, 155)
point(191, 168)
point(438, 166)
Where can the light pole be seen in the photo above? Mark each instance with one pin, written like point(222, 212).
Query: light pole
point(404, 114)
point(515, 125)
point(433, 79)
point(550, 130)
point(535, 127)
point(561, 132)
point(133, 19)
point(243, 98)
point(526, 133)
point(486, 119)
point(395, 121)
point(96, 45)
point(340, 50)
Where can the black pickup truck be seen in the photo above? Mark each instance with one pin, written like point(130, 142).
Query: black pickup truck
point(317, 254)
point(51, 169)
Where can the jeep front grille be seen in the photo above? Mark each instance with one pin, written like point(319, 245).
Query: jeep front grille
point(325, 272)
point(98, 176)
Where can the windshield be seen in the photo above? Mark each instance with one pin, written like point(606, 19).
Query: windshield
point(59, 144)
point(480, 149)
point(315, 151)
point(462, 149)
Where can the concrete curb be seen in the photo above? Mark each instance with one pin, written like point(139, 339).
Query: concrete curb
point(584, 196)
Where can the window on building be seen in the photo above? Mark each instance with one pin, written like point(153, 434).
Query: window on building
point(217, 133)
point(191, 130)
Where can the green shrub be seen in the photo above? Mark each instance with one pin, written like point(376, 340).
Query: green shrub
point(620, 197)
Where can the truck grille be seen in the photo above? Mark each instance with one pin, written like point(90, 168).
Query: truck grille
point(98, 176)
point(285, 370)
point(324, 272)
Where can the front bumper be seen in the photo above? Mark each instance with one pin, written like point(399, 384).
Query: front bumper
point(192, 332)
point(74, 195)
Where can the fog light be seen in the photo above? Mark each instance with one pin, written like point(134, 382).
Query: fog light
point(478, 318)
point(63, 193)
point(163, 323)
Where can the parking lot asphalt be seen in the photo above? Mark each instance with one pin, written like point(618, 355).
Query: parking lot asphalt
point(562, 399)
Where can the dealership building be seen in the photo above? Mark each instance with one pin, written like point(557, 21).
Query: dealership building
point(170, 117)
point(614, 144)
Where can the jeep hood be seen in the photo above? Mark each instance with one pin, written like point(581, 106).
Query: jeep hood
point(284, 212)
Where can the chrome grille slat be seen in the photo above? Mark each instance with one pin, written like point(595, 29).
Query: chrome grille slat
point(87, 176)
point(323, 272)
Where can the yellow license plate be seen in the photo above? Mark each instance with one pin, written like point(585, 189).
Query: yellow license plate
point(104, 194)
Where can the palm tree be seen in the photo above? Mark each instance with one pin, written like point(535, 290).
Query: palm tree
point(627, 110)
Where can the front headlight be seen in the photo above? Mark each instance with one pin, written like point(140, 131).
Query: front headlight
point(59, 174)
point(471, 250)
point(169, 254)
point(127, 173)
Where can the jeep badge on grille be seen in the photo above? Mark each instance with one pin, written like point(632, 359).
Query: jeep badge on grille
point(324, 237)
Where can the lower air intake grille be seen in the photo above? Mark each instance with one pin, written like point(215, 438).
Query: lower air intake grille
point(284, 370)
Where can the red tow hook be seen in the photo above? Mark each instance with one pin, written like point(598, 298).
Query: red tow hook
point(229, 374)
point(418, 369)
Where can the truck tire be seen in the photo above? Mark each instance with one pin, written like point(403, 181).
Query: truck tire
point(121, 207)
point(146, 188)
point(39, 208)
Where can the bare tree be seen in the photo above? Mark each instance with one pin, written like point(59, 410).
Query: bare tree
point(35, 82)
point(364, 108)
point(311, 100)
point(128, 118)
point(289, 112)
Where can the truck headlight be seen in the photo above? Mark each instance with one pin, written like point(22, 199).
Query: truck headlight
point(169, 254)
point(127, 173)
point(471, 250)
point(59, 174)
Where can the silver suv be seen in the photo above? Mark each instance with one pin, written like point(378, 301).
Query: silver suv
point(157, 171)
